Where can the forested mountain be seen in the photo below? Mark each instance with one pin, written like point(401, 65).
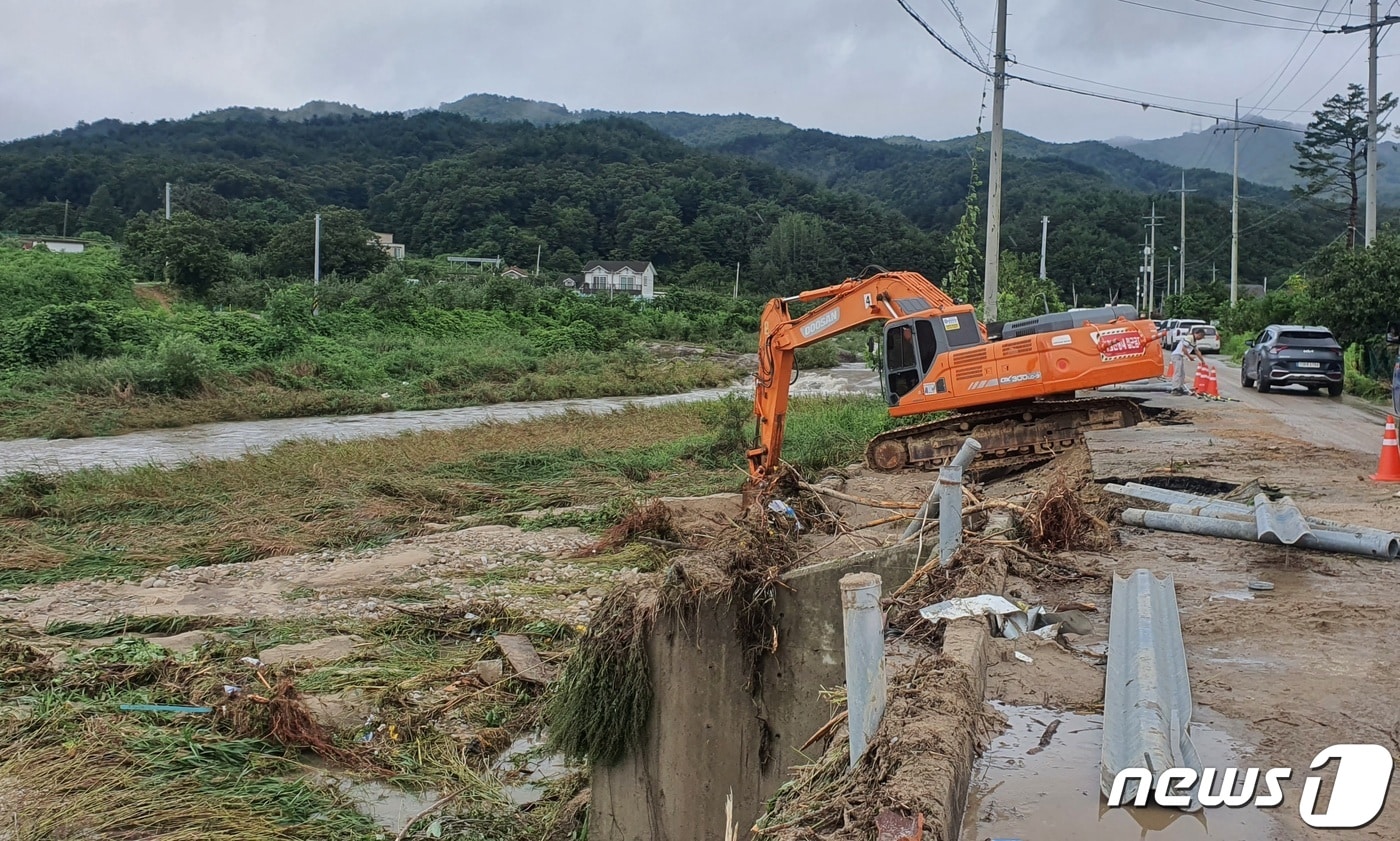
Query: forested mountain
point(610, 189)
point(795, 207)
point(1266, 155)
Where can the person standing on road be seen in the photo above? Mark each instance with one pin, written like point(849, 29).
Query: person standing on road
point(1186, 347)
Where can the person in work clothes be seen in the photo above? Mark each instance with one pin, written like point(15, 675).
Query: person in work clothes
point(1184, 348)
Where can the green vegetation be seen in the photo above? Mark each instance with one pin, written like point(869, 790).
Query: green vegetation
point(115, 362)
point(310, 495)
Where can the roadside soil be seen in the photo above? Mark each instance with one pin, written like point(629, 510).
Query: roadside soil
point(1313, 662)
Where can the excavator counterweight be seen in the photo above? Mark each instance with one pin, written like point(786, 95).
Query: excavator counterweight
point(1013, 391)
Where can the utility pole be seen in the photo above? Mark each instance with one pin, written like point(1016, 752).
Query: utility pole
point(1372, 30)
point(989, 294)
point(1212, 274)
point(167, 201)
point(1181, 282)
point(65, 219)
point(1044, 229)
point(1169, 280)
point(1151, 260)
point(736, 281)
point(316, 271)
point(1235, 210)
point(539, 249)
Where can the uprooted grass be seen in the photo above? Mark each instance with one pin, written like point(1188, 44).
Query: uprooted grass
point(90, 770)
point(599, 710)
point(311, 495)
point(1059, 521)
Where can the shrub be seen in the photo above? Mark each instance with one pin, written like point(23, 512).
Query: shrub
point(183, 363)
point(58, 331)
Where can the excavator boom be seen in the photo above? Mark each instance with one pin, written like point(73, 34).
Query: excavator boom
point(937, 358)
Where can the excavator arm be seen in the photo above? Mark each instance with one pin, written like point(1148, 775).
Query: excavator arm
point(844, 307)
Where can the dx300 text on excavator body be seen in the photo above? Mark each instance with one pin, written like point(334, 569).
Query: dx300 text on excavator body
point(1014, 392)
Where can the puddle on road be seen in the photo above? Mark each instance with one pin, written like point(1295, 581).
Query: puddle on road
point(526, 770)
point(1053, 795)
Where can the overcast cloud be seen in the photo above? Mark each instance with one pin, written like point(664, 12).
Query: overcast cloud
point(849, 66)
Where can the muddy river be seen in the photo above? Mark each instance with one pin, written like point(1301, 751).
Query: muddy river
point(166, 447)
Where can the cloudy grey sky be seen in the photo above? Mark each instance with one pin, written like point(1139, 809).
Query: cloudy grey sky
point(850, 66)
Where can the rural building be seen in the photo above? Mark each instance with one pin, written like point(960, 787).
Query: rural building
point(604, 277)
point(388, 246)
point(475, 262)
point(515, 272)
point(64, 245)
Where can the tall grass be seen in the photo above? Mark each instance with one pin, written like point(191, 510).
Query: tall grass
point(312, 495)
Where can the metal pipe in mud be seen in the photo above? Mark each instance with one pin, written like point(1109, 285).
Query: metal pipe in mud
point(963, 460)
point(864, 625)
point(1380, 545)
point(1180, 502)
point(949, 513)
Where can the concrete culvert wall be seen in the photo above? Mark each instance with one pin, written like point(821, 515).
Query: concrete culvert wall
point(706, 734)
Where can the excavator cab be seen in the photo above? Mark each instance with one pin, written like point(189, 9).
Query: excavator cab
point(912, 344)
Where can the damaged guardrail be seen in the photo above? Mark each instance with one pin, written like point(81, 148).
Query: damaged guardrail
point(1147, 694)
point(1267, 521)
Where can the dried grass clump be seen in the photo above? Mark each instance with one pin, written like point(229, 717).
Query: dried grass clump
point(651, 520)
point(1059, 521)
point(599, 711)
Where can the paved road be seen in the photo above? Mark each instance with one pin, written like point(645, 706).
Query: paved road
point(1346, 422)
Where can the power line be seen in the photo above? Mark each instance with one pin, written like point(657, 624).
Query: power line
point(1221, 20)
point(1317, 20)
point(1130, 90)
point(1302, 8)
point(1145, 105)
point(972, 42)
point(939, 38)
point(1247, 12)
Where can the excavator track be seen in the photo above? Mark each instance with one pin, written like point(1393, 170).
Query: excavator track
point(1012, 436)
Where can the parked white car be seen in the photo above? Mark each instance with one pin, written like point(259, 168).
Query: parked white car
point(1180, 328)
point(1210, 342)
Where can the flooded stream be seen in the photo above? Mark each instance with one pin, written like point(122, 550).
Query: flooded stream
point(168, 447)
point(1019, 792)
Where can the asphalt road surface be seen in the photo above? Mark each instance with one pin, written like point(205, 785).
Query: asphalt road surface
point(1346, 422)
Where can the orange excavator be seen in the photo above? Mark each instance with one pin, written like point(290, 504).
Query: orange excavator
point(1014, 391)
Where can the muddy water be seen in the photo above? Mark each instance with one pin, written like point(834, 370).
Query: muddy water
point(526, 769)
point(166, 447)
point(1053, 795)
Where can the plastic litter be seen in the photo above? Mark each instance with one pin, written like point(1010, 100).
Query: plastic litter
point(165, 708)
point(1013, 620)
point(1024, 658)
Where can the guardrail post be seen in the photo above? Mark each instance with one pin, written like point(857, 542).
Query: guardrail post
point(864, 625)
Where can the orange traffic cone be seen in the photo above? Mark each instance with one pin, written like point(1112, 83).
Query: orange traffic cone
point(1389, 468)
point(1212, 383)
point(1198, 385)
point(1171, 370)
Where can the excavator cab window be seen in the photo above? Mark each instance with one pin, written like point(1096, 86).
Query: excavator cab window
point(910, 348)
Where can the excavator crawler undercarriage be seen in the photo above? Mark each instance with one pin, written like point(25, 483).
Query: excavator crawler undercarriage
point(1012, 436)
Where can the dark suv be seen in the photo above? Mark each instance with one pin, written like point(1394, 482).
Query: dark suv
point(1287, 354)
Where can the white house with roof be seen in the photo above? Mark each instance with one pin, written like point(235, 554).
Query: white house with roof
point(607, 277)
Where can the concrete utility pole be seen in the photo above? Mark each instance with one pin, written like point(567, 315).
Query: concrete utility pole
point(65, 218)
point(1181, 282)
point(1151, 260)
point(167, 201)
point(1372, 30)
point(1235, 210)
point(316, 269)
point(1044, 229)
point(539, 250)
point(989, 280)
point(736, 281)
